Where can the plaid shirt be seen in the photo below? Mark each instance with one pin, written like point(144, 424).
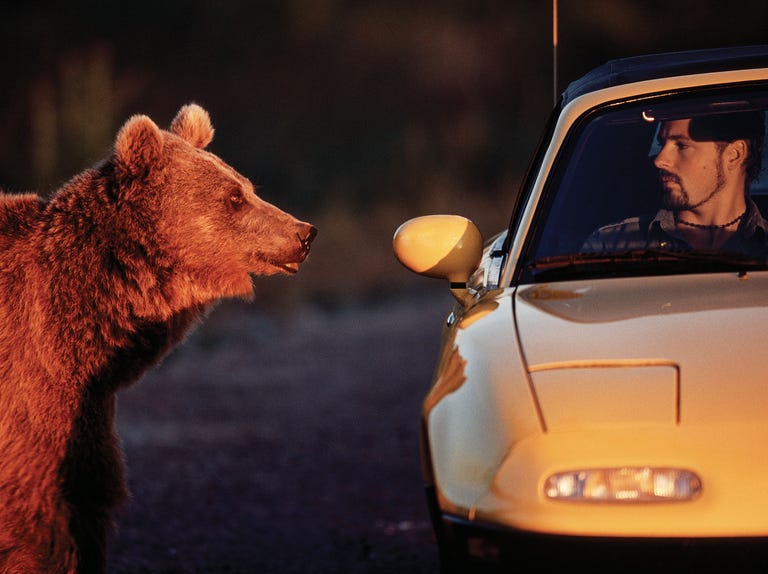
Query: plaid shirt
point(660, 232)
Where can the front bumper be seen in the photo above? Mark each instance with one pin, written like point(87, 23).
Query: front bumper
point(485, 547)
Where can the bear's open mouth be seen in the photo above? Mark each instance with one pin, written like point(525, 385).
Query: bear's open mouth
point(270, 266)
point(291, 268)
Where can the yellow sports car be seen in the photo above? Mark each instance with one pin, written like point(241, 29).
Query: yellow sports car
point(602, 385)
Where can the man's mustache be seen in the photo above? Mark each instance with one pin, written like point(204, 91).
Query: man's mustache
point(668, 177)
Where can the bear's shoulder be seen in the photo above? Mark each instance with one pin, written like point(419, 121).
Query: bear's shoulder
point(19, 213)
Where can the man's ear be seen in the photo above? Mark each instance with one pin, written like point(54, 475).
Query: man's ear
point(736, 154)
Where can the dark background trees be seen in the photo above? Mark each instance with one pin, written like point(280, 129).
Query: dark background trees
point(355, 114)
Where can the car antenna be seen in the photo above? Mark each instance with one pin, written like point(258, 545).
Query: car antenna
point(554, 50)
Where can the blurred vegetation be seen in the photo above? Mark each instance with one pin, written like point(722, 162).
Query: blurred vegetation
point(353, 114)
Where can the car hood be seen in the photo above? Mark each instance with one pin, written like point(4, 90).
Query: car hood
point(674, 350)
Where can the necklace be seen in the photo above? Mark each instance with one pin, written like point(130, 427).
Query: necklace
point(699, 226)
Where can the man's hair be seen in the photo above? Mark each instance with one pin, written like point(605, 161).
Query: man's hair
point(748, 126)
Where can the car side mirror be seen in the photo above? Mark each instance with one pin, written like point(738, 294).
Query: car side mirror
point(441, 246)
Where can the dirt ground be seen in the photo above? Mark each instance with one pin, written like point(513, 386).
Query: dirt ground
point(283, 445)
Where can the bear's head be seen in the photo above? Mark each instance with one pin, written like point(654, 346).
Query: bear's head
point(211, 227)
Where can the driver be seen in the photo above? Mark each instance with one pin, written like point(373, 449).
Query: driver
point(705, 167)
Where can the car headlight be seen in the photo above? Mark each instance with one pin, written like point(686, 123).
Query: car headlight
point(623, 484)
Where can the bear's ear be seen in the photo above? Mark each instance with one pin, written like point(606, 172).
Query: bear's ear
point(138, 146)
point(193, 124)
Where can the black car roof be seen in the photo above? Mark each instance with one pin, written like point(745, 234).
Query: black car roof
point(638, 68)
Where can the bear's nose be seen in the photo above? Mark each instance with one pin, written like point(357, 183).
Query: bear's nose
point(306, 241)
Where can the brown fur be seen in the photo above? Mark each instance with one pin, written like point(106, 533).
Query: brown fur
point(97, 285)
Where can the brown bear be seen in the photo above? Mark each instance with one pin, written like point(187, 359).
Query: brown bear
point(98, 283)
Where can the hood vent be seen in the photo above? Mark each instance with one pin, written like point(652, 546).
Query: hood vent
point(579, 395)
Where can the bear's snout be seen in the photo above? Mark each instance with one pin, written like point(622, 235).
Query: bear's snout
point(305, 233)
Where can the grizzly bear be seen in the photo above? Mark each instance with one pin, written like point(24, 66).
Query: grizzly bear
point(98, 283)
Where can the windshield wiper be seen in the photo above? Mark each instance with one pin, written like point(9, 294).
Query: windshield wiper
point(641, 261)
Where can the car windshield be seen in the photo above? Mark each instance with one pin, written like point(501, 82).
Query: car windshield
point(656, 187)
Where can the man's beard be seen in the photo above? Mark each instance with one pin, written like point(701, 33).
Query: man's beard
point(681, 201)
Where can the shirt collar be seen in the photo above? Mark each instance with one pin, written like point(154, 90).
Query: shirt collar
point(754, 220)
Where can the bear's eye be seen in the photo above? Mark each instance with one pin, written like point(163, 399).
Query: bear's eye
point(236, 198)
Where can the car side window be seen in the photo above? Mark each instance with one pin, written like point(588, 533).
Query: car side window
point(608, 177)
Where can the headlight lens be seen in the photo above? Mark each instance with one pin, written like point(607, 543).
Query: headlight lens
point(623, 484)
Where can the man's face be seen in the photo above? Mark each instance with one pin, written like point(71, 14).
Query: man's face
point(691, 171)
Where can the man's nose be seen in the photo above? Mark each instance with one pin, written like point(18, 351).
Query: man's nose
point(661, 161)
